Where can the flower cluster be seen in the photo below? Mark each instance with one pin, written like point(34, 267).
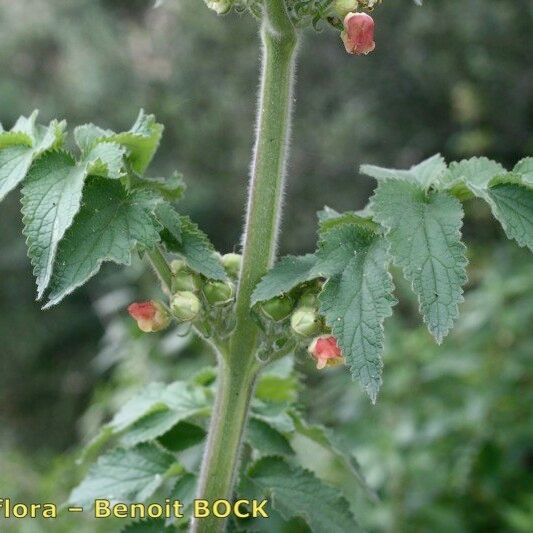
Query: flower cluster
point(193, 298)
point(307, 326)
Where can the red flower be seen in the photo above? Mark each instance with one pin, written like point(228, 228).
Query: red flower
point(326, 351)
point(151, 316)
point(358, 34)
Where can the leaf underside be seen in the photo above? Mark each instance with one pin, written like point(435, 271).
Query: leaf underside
point(355, 303)
point(423, 231)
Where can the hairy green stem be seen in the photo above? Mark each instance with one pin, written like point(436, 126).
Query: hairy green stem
point(161, 268)
point(238, 367)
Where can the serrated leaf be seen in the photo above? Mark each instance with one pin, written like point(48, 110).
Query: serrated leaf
point(150, 426)
point(295, 492)
point(124, 475)
point(425, 173)
point(525, 169)
point(141, 141)
point(267, 440)
point(169, 219)
point(467, 176)
point(325, 438)
point(356, 300)
point(88, 135)
point(350, 217)
point(105, 160)
point(512, 205)
point(148, 526)
point(196, 249)
point(274, 414)
point(338, 247)
point(289, 272)
point(424, 233)
point(109, 225)
point(152, 412)
point(509, 194)
point(51, 198)
point(21, 146)
point(171, 189)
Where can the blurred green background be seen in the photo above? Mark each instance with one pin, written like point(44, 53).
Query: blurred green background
point(449, 446)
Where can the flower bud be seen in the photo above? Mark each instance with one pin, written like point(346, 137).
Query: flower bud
point(305, 321)
point(232, 264)
point(221, 7)
point(308, 299)
point(183, 278)
point(358, 34)
point(151, 316)
point(185, 305)
point(326, 351)
point(277, 309)
point(218, 292)
point(343, 7)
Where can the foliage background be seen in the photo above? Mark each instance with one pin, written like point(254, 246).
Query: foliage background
point(448, 447)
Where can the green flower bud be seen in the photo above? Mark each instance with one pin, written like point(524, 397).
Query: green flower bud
point(178, 265)
point(183, 278)
point(308, 299)
point(278, 308)
point(218, 292)
point(185, 305)
point(232, 264)
point(305, 321)
point(183, 281)
point(343, 7)
point(221, 7)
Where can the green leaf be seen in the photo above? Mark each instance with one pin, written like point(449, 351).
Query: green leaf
point(51, 198)
point(278, 383)
point(21, 146)
point(196, 249)
point(267, 440)
point(169, 219)
point(141, 141)
point(349, 217)
point(356, 300)
point(525, 169)
point(509, 194)
point(425, 174)
point(125, 475)
point(110, 224)
point(295, 492)
point(182, 436)
point(286, 274)
point(326, 439)
point(185, 489)
point(424, 233)
point(152, 412)
point(512, 205)
point(148, 526)
point(466, 177)
point(150, 426)
point(338, 246)
point(171, 189)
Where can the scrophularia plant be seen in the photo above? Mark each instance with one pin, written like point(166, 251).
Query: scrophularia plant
point(96, 204)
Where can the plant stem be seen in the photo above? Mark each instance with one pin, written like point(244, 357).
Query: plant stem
point(238, 367)
point(161, 268)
